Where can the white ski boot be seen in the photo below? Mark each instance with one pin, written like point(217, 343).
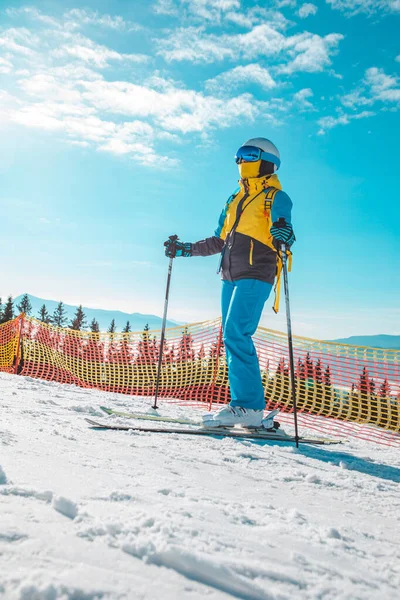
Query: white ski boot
point(229, 416)
point(272, 426)
point(268, 421)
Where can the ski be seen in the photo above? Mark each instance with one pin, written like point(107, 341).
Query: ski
point(148, 417)
point(256, 434)
point(164, 419)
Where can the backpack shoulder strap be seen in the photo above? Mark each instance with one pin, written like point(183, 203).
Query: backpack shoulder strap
point(223, 214)
point(270, 193)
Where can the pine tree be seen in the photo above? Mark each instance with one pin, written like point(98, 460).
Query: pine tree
point(185, 349)
point(94, 326)
point(127, 328)
point(384, 390)
point(1, 311)
point(8, 311)
point(318, 387)
point(301, 370)
point(170, 354)
point(94, 351)
point(59, 318)
point(363, 385)
point(309, 367)
point(278, 386)
point(112, 350)
point(44, 316)
point(371, 386)
point(318, 372)
point(125, 355)
point(280, 370)
point(327, 377)
point(364, 395)
point(25, 306)
point(79, 321)
point(144, 347)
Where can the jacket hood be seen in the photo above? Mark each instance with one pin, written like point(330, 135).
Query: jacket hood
point(256, 184)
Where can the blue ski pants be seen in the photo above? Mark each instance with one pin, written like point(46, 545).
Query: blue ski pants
point(242, 303)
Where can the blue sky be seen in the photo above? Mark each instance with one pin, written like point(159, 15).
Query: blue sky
point(119, 122)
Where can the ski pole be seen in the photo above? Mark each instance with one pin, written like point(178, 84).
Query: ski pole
point(173, 239)
point(290, 341)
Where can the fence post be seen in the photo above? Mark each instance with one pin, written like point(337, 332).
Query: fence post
point(218, 350)
point(19, 342)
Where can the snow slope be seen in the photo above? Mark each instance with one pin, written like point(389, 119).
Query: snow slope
point(88, 514)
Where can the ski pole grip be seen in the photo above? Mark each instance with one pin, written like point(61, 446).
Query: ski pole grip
point(173, 239)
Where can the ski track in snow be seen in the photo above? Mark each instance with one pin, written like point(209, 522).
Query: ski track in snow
point(88, 514)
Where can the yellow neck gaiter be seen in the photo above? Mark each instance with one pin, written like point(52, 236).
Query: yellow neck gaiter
point(256, 184)
point(248, 170)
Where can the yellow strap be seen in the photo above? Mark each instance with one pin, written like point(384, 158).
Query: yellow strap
point(277, 288)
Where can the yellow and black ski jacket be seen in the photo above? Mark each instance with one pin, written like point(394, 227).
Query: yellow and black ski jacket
point(243, 234)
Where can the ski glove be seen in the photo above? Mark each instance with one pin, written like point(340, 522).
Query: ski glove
point(283, 232)
point(177, 248)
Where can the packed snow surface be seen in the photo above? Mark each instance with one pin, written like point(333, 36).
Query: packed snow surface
point(87, 514)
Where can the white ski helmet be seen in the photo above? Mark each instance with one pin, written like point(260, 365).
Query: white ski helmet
point(268, 148)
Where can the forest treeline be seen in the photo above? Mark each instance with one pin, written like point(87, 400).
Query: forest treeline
point(59, 318)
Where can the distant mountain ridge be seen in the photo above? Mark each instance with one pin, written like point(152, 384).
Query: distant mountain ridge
point(104, 317)
point(139, 320)
point(375, 341)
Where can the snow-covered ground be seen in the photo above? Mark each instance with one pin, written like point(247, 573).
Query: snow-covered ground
point(88, 514)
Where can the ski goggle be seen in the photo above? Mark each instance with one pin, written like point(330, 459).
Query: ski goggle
point(252, 154)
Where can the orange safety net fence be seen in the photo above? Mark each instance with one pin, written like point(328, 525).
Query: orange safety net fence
point(9, 345)
point(339, 382)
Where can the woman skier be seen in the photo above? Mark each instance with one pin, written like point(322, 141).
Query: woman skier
point(255, 220)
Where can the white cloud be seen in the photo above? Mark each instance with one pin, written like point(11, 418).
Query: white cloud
point(64, 92)
point(5, 66)
point(369, 7)
point(303, 52)
point(78, 143)
point(258, 15)
point(215, 12)
point(385, 88)
point(194, 45)
point(76, 18)
point(301, 99)
point(33, 13)
point(342, 119)
point(307, 9)
point(312, 52)
point(22, 42)
point(19, 41)
point(8, 105)
point(165, 7)
point(203, 10)
point(285, 3)
point(90, 52)
point(375, 87)
point(175, 109)
point(242, 75)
